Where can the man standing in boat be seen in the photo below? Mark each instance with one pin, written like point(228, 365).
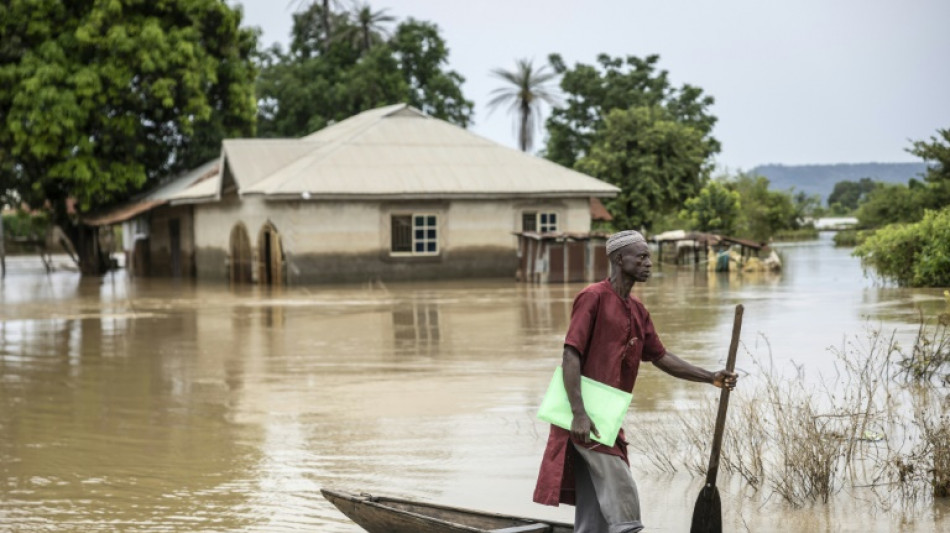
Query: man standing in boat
point(609, 334)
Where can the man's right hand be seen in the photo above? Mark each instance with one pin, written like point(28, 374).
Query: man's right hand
point(581, 428)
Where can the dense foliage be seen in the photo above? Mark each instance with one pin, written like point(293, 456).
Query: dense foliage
point(890, 204)
point(591, 92)
point(936, 151)
point(764, 212)
point(715, 209)
point(916, 255)
point(25, 225)
point(744, 205)
point(656, 161)
point(624, 123)
point(848, 195)
point(100, 97)
point(332, 73)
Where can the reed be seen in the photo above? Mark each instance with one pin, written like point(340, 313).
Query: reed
point(881, 422)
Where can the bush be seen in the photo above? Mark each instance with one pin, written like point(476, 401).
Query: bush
point(851, 237)
point(23, 225)
point(916, 255)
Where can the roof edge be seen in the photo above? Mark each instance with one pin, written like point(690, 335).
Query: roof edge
point(315, 197)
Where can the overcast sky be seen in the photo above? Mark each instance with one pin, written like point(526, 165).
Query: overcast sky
point(795, 81)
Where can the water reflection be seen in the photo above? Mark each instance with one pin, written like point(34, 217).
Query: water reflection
point(151, 405)
point(416, 326)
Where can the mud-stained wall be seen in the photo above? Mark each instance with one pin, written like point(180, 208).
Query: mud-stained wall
point(162, 260)
point(346, 241)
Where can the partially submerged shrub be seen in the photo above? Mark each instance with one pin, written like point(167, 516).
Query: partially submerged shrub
point(916, 255)
point(929, 357)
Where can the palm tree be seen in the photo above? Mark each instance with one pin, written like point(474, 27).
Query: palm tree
point(369, 25)
point(326, 27)
point(524, 94)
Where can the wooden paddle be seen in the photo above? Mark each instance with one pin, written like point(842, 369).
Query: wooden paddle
point(707, 515)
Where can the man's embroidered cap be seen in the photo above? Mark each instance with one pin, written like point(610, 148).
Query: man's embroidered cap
point(623, 238)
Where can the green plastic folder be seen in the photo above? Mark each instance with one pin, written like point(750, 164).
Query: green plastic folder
point(605, 405)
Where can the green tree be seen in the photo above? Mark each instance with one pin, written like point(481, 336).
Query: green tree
point(764, 212)
point(422, 55)
point(592, 91)
point(317, 21)
point(896, 203)
point(937, 153)
point(850, 194)
point(369, 27)
point(657, 161)
point(892, 203)
point(524, 93)
point(98, 99)
point(807, 206)
point(716, 208)
point(318, 82)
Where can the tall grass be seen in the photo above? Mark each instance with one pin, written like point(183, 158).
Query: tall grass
point(882, 421)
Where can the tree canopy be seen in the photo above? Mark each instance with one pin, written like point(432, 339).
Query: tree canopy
point(98, 98)
point(848, 195)
point(764, 212)
point(624, 123)
point(895, 203)
point(936, 152)
point(592, 91)
point(716, 208)
point(656, 161)
point(327, 76)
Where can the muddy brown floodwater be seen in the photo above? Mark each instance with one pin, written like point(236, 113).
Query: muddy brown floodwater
point(159, 406)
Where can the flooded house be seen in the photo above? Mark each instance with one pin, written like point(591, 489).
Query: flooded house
point(388, 194)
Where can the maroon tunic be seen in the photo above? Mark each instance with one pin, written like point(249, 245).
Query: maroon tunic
point(612, 335)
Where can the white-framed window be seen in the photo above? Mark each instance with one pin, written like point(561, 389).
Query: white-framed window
point(539, 221)
point(415, 234)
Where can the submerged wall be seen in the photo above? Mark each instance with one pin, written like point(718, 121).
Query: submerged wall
point(351, 241)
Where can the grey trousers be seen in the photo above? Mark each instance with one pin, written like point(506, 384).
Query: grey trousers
point(607, 498)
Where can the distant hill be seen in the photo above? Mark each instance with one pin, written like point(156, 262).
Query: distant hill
point(821, 179)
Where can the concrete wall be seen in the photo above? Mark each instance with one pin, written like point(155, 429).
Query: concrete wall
point(349, 241)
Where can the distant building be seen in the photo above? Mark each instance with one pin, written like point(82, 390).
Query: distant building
point(388, 194)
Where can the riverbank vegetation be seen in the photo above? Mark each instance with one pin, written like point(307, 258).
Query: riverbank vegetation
point(881, 423)
point(910, 243)
point(742, 205)
point(915, 255)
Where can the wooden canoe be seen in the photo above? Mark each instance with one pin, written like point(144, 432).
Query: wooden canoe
point(379, 514)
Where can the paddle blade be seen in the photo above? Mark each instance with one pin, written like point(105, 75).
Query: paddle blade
point(707, 515)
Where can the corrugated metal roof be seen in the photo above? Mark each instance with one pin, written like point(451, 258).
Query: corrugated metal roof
point(390, 152)
point(123, 213)
point(168, 191)
point(400, 152)
point(251, 160)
